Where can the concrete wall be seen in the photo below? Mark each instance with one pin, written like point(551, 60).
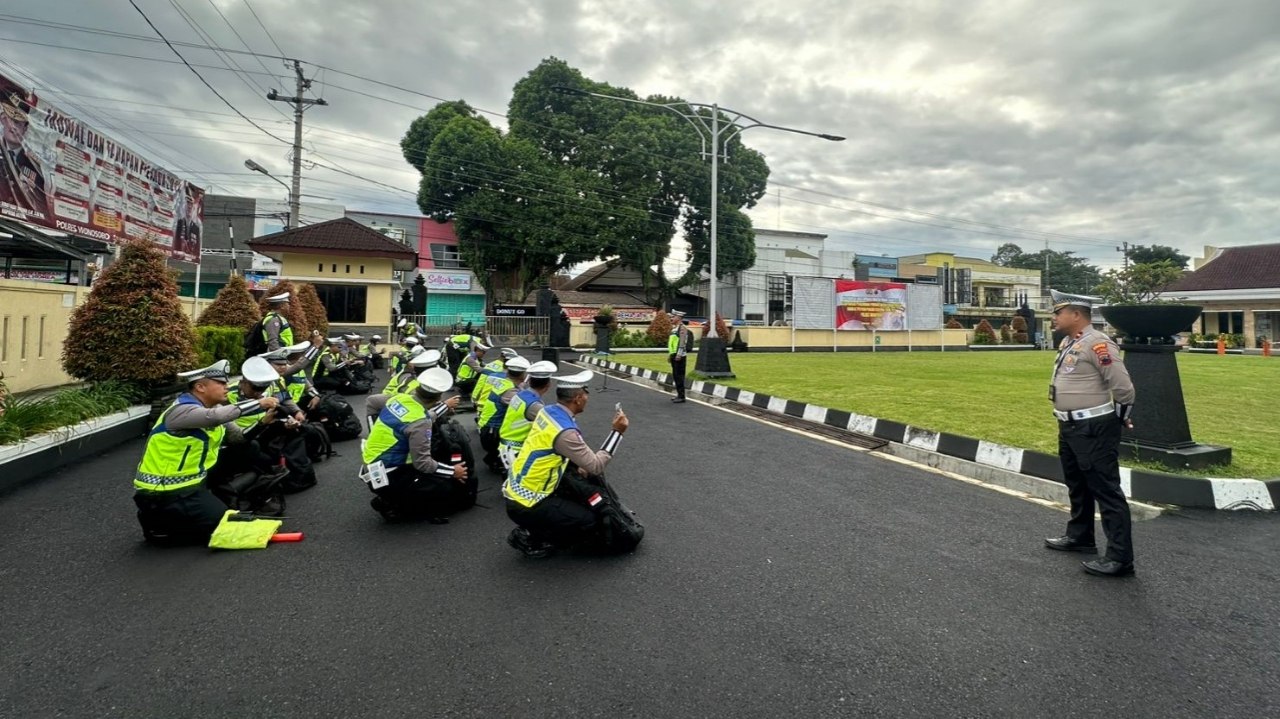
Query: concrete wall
point(372, 272)
point(34, 318)
point(780, 338)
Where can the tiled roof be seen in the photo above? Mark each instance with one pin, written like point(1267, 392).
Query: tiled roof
point(340, 235)
point(1235, 268)
point(589, 275)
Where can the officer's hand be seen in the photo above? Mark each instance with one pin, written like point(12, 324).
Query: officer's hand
point(620, 423)
point(452, 402)
point(460, 471)
point(314, 401)
point(316, 340)
point(269, 402)
point(270, 416)
point(300, 417)
point(1128, 423)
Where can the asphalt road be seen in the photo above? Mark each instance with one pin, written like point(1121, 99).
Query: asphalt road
point(780, 576)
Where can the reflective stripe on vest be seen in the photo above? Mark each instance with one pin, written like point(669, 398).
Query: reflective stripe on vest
point(514, 425)
point(177, 460)
point(492, 411)
point(494, 369)
point(466, 371)
point(297, 386)
point(388, 442)
point(537, 470)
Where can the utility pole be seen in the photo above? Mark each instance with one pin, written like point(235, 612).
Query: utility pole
point(300, 105)
point(1125, 250)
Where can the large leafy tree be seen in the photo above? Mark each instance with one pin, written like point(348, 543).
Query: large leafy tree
point(579, 178)
point(1155, 254)
point(1061, 270)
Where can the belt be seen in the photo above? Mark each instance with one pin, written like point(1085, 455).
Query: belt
point(1079, 414)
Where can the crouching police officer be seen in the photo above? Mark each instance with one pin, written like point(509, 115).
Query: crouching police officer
point(1093, 399)
point(551, 506)
point(402, 383)
point(174, 505)
point(522, 409)
point(406, 480)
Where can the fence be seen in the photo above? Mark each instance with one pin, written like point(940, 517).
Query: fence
point(505, 331)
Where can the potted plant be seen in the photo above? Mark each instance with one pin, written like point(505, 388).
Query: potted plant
point(604, 316)
point(1135, 306)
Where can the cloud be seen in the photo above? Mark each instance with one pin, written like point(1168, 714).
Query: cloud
point(1120, 122)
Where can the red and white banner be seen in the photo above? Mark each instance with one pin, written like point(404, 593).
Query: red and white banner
point(622, 314)
point(871, 305)
point(57, 172)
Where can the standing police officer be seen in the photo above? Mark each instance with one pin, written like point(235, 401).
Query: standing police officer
point(679, 345)
point(276, 331)
point(1093, 399)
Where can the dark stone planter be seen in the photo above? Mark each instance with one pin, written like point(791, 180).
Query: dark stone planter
point(1151, 324)
point(713, 358)
point(602, 320)
point(1161, 432)
point(602, 338)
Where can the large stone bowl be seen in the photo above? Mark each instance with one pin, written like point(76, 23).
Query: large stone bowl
point(1151, 324)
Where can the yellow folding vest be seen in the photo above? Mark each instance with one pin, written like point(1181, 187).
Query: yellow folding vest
point(537, 470)
point(177, 460)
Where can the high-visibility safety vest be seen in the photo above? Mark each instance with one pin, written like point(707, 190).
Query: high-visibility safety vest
point(394, 382)
point(495, 368)
point(491, 410)
point(176, 460)
point(388, 442)
point(286, 330)
point(466, 371)
point(462, 342)
point(248, 419)
point(296, 385)
point(537, 470)
point(515, 428)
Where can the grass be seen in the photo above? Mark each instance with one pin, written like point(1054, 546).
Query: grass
point(1003, 396)
point(22, 417)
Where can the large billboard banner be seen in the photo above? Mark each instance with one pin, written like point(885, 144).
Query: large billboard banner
point(57, 172)
point(871, 305)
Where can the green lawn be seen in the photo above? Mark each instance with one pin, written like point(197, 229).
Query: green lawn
point(1002, 396)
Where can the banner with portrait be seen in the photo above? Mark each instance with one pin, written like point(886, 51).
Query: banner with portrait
point(60, 173)
point(871, 305)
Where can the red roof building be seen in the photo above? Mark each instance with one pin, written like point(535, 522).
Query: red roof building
point(1239, 288)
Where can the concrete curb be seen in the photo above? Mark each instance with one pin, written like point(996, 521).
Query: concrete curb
point(1139, 484)
point(39, 455)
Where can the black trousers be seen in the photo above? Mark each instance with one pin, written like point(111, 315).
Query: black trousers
point(1090, 454)
point(563, 519)
point(423, 495)
point(182, 517)
point(677, 374)
point(489, 441)
point(240, 457)
point(334, 381)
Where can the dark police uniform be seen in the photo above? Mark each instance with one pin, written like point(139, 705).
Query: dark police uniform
point(679, 345)
point(1092, 395)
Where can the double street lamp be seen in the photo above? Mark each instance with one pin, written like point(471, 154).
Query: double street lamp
point(717, 135)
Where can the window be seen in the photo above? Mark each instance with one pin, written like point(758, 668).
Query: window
point(446, 257)
point(335, 268)
point(320, 267)
point(22, 348)
point(40, 340)
point(362, 269)
point(343, 303)
point(4, 341)
point(348, 269)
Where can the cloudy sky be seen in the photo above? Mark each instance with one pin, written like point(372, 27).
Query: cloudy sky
point(1095, 122)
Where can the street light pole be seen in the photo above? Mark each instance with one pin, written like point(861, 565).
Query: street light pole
point(710, 135)
point(293, 199)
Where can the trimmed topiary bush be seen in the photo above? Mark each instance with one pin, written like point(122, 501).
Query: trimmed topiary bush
point(1020, 334)
point(233, 307)
point(317, 318)
point(293, 311)
point(217, 343)
point(722, 329)
point(132, 327)
point(984, 334)
point(660, 328)
point(954, 324)
point(1006, 334)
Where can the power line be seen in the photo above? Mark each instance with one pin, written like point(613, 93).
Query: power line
point(196, 72)
point(264, 27)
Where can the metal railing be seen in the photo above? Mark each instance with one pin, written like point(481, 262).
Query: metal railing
point(504, 331)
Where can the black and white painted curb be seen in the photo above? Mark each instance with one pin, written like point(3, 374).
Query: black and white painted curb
point(1138, 484)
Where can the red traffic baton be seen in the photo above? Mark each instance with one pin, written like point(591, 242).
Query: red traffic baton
point(286, 537)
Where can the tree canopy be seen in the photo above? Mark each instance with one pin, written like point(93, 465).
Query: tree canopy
point(577, 178)
point(1066, 272)
point(1153, 254)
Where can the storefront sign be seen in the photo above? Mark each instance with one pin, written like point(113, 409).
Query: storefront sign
point(448, 281)
point(622, 314)
point(515, 311)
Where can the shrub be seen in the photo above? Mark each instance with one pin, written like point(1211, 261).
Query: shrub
point(217, 343)
point(1020, 334)
point(660, 328)
point(22, 417)
point(292, 312)
point(623, 338)
point(132, 327)
point(954, 324)
point(983, 334)
point(233, 307)
point(1006, 334)
point(317, 318)
point(722, 329)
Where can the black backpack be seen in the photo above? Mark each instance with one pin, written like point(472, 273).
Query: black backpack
point(337, 417)
point(620, 529)
point(254, 343)
point(447, 439)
